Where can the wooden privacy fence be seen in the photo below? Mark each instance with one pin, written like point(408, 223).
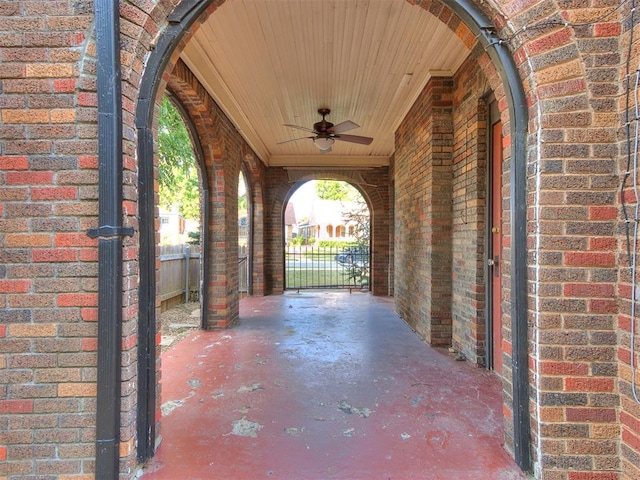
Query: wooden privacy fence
point(177, 276)
point(243, 269)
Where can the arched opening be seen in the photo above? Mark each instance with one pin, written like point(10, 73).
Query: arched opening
point(188, 12)
point(244, 235)
point(147, 325)
point(317, 254)
point(180, 210)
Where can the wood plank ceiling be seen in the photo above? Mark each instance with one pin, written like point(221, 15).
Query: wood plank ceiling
point(274, 62)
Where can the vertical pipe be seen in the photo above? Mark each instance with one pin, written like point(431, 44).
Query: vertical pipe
point(502, 58)
point(187, 269)
point(110, 243)
point(146, 426)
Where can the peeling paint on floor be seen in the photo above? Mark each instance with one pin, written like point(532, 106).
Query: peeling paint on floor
point(252, 388)
point(245, 428)
point(344, 391)
point(345, 407)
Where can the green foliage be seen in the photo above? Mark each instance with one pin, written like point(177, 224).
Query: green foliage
point(358, 271)
point(334, 190)
point(177, 173)
point(297, 241)
point(336, 244)
point(243, 206)
point(194, 238)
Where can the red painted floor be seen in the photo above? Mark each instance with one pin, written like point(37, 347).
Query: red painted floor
point(325, 386)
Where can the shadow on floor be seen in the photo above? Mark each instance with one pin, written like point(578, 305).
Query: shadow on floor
point(325, 385)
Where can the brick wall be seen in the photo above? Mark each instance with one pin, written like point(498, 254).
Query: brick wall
point(469, 211)
point(572, 196)
point(224, 151)
point(423, 188)
point(48, 284)
point(254, 174)
point(629, 406)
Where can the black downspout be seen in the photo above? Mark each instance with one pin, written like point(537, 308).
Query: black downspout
point(503, 60)
point(184, 15)
point(110, 234)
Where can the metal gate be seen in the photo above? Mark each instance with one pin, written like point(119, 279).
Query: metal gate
point(308, 267)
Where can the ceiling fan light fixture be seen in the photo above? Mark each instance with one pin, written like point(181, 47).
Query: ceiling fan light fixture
point(323, 143)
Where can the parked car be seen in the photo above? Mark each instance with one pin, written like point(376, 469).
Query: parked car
point(353, 256)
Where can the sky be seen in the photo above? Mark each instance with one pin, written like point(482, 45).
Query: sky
point(303, 198)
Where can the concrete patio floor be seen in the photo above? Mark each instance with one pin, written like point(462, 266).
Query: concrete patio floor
point(325, 385)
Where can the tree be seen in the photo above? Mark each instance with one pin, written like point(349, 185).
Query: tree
point(177, 173)
point(335, 190)
point(357, 264)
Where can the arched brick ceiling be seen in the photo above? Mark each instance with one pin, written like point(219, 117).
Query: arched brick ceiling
point(271, 62)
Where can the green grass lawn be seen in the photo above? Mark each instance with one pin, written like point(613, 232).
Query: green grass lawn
point(316, 278)
point(316, 268)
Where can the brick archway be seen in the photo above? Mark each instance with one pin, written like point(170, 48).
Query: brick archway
point(374, 187)
point(469, 23)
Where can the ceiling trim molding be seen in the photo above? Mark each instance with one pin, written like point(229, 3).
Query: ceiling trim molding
point(328, 161)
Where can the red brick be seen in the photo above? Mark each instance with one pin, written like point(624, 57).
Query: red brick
point(14, 163)
point(88, 162)
point(596, 415)
point(589, 290)
point(54, 255)
point(89, 255)
point(28, 178)
point(630, 421)
point(15, 286)
point(562, 89)
point(611, 29)
point(16, 406)
point(588, 259)
point(74, 240)
point(548, 42)
point(89, 344)
point(588, 384)
point(88, 99)
point(66, 85)
point(631, 439)
point(563, 368)
point(593, 476)
point(78, 300)
point(89, 314)
point(603, 213)
point(624, 355)
point(54, 193)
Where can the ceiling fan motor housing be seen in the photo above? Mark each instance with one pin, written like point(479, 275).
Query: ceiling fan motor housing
point(323, 126)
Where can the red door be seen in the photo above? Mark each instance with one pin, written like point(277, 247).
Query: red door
point(495, 258)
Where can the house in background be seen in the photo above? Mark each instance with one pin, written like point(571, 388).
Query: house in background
point(290, 222)
point(329, 220)
point(172, 227)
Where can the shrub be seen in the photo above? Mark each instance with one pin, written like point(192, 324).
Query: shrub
point(336, 243)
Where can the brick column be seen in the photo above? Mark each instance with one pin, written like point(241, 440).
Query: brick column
point(423, 184)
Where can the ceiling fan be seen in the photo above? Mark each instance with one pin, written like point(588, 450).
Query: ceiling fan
point(325, 133)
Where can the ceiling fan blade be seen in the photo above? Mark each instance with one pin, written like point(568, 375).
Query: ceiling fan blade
point(293, 140)
point(344, 127)
point(354, 139)
point(298, 127)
